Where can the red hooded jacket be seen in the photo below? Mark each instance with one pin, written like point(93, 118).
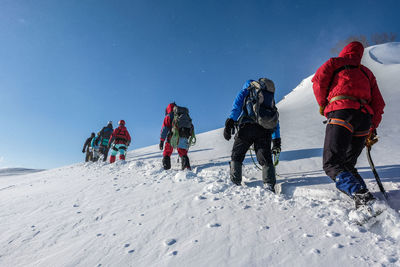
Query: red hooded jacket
point(167, 123)
point(120, 135)
point(348, 82)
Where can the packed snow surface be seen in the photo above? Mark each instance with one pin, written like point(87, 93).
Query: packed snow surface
point(134, 213)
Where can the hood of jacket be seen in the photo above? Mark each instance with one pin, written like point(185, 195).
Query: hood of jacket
point(353, 50)
point(169, 108)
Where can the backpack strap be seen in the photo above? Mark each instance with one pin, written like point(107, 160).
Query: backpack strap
point(341, 97)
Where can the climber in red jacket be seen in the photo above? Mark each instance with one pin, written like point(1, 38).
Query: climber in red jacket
point(348, 95)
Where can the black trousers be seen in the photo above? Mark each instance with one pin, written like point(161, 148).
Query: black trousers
point(104, 150)
point(248, 135)
point(88, 155)
point(344, 141)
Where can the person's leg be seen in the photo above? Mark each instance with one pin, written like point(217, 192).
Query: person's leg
point(105, 153)
point(241, 144)
point(338, 142)
point(361, 124)
point(262, 147)
point(184, 157)
point(168, 149)
point(114, 152)
point(87, 155)
point(122, 151)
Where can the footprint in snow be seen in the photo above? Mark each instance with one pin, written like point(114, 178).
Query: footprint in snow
point(201, 197)
point(212, 225)
point(315, 251)
point(337, 246)
point(169, 242)
point(76, 205)
point(174, 253)
point(332, 234)
point(131, 251)
point(127, 245)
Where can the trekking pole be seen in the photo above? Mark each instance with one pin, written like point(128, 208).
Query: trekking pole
point(378, 180)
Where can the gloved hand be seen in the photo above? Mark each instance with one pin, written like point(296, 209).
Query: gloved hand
point(161, 144)
point(372, 138)
point(229, 124)
point(276, 148)
point(83, 151)
point(321, 110)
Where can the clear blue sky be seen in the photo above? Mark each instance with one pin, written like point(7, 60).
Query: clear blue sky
point(67, 67)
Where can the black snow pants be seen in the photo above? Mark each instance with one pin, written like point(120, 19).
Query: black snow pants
point(345, 137)
point(249, 134)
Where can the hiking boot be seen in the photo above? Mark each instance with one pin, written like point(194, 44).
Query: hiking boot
point(185, 163)
point(363, 198)
point(166, 162)
point(268, 174)
point(236, 172)
point(269, 187)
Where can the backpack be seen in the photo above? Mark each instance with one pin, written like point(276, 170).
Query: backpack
point(120, 134)
point(105, 135)
point(182, 127)
point(259, 105)
point(182, 121)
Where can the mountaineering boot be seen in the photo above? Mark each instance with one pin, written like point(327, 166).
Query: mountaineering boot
point(185, 163)
point(112, 159)
point(122, 157)
point(269, 177)
point(166, 162)
point(363, 198)
point(236, 172)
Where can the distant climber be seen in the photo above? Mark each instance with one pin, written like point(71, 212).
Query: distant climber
point(105, 134)
point(256, 116)
point(177, 132)
point(119, 141)
point(348, 95)
point(87, 147)
point(95, 148)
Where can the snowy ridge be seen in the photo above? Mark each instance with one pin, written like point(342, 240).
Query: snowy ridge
point(137, 214)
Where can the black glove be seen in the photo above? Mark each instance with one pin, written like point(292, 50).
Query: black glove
point(83, 151)
point(161, 145)
point(229, 124)
point(276, 148)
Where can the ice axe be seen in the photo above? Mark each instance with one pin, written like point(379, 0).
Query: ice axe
point(378, 180)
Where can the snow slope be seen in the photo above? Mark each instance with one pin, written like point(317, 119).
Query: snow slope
point(137, 214)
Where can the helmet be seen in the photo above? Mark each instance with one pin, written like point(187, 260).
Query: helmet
point(121, 122)
point(109, 123)
point(93, 135)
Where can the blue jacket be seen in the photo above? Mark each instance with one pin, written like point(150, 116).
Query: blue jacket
point(237, 109)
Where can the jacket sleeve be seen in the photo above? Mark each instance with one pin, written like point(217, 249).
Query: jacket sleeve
point(87, 142)
point(377, 103)
point(277, 132)
point(128, 137)
point(112, 137)
point(238, 104)
point(166, 128)
point(321, 81)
